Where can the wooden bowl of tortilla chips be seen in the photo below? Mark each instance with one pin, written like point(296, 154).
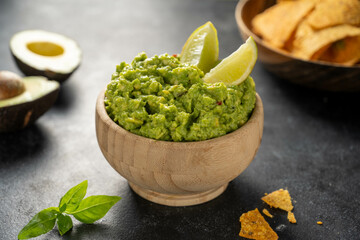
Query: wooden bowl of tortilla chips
point(314, 43)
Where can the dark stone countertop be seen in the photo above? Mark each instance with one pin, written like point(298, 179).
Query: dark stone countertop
point(311, 141)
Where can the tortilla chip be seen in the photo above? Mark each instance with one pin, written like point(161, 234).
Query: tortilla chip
point(291, 217)
point(308, 45)
point(328, 13)
point(254, 226)
point(279, 199)
point(277, 23)
point(302, 31)
point(314, 1)
point(345, 51)
point(266, 212)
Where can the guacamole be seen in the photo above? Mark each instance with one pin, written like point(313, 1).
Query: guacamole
point(163, 99)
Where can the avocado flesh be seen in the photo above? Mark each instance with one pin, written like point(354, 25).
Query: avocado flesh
point(48, 54)
point(35, 87)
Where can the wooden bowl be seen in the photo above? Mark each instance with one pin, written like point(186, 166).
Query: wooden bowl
point(312, 74)
point(178, 173)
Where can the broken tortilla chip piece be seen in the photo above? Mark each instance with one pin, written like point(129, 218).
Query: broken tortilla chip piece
point(308, 46)
point(279, 199)
point(345, 51)
point(328, 13)
point(277, 24)
point(266, 212)
point(254, 226)
point(291, 217)
point(302, 31)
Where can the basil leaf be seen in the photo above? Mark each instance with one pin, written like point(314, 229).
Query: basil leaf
point(71, 200)
point(94, 207)
point(63, 208)
point(64, 223)
point(41, 223)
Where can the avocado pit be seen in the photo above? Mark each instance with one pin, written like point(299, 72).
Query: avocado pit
point(11, 85)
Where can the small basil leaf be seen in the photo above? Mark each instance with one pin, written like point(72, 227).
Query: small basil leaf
point(63, 208)
point(41, 223)
point(94, 207)
point(64, 223)
point(73, 197)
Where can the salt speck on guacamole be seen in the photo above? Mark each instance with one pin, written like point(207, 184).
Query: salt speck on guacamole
point(163, 99)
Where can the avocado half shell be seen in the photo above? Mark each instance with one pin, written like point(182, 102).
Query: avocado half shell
point(48, 54)
point(22, 110)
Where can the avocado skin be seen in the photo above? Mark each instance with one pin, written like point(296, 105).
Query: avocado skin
point(19, 116)
point(30, 71)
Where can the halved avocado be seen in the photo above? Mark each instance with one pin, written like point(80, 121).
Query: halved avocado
point(42, 53)
point(19, 111)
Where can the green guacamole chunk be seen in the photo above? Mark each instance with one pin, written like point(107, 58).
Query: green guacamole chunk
point(163, 99)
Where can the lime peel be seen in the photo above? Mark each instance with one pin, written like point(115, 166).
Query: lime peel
point(234, 69)
point(201, 48)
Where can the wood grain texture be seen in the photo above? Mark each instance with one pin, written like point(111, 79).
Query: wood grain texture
point(312, 74)
point(178, 173)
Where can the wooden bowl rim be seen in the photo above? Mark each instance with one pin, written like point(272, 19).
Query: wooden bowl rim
point(238, 16)
point(103, 116)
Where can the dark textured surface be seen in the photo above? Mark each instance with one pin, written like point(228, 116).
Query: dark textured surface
point(311, 142)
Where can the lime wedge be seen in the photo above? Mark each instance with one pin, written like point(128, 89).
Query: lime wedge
point(201, 48)
point(234, 69)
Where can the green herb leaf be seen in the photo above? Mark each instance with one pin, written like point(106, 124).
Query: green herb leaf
point(86, 210)
point(64, 223)
point(71, 200)
point(63, 208)
point(95, 207)
point(41, 223)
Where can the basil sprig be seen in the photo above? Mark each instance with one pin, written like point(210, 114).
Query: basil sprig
point(86, 210)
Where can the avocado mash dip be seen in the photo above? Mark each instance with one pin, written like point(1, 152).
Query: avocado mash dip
point(163, 99)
